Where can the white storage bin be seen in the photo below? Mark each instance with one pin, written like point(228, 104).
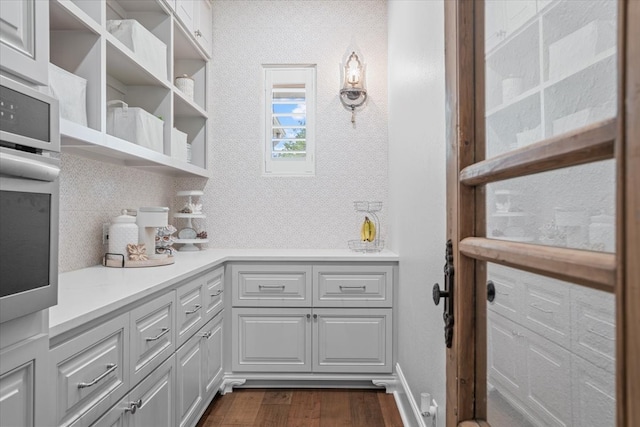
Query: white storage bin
point(135, 125)
point(584, 117)
point(578, 49)
point(71, 91)
point(147, 48)
point(179, 145)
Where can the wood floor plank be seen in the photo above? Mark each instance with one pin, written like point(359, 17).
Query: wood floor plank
point(277, 397)
point(389, 410)
point(302, 408)
point(335, 410)
point(305, 409)
point(365, 409)
point(217, 410)
point(244, 408)
point(272, 415)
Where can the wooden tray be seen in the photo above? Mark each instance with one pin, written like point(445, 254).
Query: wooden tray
point(122, 263)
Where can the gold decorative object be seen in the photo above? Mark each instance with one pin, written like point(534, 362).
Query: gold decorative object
point(137, 252)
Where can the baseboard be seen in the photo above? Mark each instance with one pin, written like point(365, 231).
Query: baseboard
point(408, 407)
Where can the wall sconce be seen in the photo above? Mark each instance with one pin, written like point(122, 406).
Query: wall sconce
point(353, 93)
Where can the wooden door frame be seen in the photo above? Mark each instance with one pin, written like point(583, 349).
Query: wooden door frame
point(619, 138)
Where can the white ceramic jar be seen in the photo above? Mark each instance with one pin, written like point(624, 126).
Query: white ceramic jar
point(122, 231)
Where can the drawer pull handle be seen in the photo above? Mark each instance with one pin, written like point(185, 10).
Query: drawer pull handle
point(346, 287)
point(271, 287)
point(110, 368)
point(133, 406)
point(195, 309)
point(218, 292)
point(206, 335)
point(540, 308)
point(164, 331)
point(601, 335)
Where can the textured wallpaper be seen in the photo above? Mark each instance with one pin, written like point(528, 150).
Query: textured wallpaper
point(245, 209)
point(92, 193)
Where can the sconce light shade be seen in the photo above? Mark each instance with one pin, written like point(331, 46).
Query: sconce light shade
point(353, 93)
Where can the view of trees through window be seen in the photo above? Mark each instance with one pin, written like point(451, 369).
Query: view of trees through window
point(289, 132)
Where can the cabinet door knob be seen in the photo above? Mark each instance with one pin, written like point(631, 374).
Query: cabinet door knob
point(197, 33)
point(315, 316)
point(308, 316)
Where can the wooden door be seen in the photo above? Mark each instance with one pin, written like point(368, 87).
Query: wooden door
point(572, 267)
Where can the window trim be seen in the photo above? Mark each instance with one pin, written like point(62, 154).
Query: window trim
point(293, 74)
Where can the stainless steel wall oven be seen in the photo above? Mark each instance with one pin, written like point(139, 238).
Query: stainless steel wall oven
point(29, 200)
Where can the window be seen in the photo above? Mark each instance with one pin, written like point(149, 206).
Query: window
point(289, 120)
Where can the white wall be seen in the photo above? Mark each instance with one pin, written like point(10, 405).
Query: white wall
point(246, 209)
point(417, 187)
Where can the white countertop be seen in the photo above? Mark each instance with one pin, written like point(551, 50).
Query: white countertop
point(85, 295)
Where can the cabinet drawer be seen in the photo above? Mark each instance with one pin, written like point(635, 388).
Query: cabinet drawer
point(271, 285)
point(593, 327)
point(213, 292)
point(91, 371)
point(546, 308)
point(189, 311)
point(152, 335)
point(353, 286)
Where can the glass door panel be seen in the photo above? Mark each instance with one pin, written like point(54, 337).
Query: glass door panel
point(550, 68)
point(550, 352)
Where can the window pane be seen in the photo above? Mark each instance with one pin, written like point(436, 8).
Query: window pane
point(290, 119)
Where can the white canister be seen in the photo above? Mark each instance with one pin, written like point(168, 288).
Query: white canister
point(184, 83)
point(122, 231)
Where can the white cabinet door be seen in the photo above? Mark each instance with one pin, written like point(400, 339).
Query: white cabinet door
point(151, 403)
point(16, 396)
point(212, 368)
point(352, 340)
point(185, 9)
point(189, 380)
point(271, 339)
point(155, 398)
point(22, 366)
point(204, 29)
point(506, 362)
point(548, 388)
point(24, 39)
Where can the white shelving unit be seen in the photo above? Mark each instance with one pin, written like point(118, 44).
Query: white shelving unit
point(81, 44)
point(526, 43)
point(189, 244)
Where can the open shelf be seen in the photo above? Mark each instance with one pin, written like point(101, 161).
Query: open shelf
point(81, 44)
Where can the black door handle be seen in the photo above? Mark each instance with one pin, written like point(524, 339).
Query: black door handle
point(446, 293)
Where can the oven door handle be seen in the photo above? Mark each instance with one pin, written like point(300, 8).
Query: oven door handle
point(23, 167)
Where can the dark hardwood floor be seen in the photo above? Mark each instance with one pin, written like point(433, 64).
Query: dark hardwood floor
point(302, 408)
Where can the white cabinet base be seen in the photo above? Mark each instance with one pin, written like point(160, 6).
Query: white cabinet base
point(303, 380)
